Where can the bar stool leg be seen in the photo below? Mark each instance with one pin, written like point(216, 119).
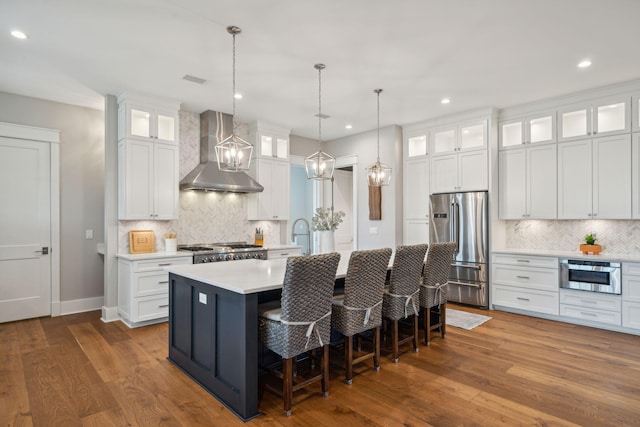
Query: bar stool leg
point(348, 359)
point(427, 325)
point(443, 319)
point(394, 340)
point(376, 343)
point(414, 323)
point(287, 385)
point(325, 370)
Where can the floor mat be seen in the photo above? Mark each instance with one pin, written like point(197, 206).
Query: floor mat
point(465, 320)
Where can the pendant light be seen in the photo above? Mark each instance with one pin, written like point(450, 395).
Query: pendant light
point(234, 153)
point(319, 165)
point(378, 173)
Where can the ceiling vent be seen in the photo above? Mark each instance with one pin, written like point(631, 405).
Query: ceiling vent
point(194, 79)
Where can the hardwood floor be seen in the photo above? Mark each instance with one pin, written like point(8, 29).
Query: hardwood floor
point(513, 370)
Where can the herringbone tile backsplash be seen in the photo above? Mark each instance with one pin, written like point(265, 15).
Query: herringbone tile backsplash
point(619, 237)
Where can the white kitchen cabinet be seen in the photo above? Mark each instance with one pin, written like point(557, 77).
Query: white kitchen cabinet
point(590, 306)
point(534, 129)
point(269, 140)
point(416, 231)
point(417, 146)
point(603, 116)
point(272, 203)
point(631, 295)
point(147, 180)
point(635, 110)
point(458, 138)
point(143, 287)
point(147, 122)
point(635, 176)
point(594, 178)
point(528, 183)
point(284, 253)
point(525, 282)
point(464, 171)
point(416, 189)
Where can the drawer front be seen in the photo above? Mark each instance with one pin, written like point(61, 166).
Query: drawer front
point(525, 299)
point(590, 300)
point(630, 287)
point(631, 268)
point(591, 314)
point(631, 314)
point(526, 260)
point(159, 264)
point(149, 308)
point(543, 279)
point(150, 284)
point(283, 253)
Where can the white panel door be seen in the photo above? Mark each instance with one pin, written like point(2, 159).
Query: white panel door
point(513, 180)
point(473, 171)
point(25, 229)
point(165, 187)
point(542, 182)
point(416, 231)
point(612, 177)
point(574, 180)
point(635, 175)
point(282, 182)
point(342, 201)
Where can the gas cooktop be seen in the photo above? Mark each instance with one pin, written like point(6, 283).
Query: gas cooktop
point(224, 251)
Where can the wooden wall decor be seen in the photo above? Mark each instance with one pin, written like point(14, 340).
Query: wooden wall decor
point(375, 203)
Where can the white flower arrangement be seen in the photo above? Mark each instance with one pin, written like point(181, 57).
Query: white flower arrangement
point(323, 220)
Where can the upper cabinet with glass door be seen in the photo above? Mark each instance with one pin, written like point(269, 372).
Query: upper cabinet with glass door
point(540, 128)
point(269, 141)
point(147, 119)
point(457, 138)
point(604, 116)
point(417, 146)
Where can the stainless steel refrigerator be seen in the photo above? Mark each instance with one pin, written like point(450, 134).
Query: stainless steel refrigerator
point(464, 218)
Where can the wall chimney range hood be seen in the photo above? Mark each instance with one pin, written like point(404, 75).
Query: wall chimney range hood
point(215, 127)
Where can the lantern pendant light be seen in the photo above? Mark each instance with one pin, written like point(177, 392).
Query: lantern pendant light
point(234, 153)
point(319, 165)
point(378, 174)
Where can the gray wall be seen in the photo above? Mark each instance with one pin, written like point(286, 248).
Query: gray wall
point(364, 145)
point(81, 186)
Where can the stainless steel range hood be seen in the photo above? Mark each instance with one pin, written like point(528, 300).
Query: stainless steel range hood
point(215, 127)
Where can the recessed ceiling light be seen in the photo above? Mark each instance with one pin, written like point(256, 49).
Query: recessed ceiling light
point(237, 95)
point(445, 101)
point(19, 34)
point(348, 127)
point(584, 63)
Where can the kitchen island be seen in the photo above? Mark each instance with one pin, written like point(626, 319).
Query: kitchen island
point(213, 325)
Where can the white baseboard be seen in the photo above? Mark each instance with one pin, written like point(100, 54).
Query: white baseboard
point(81, 305)
point(109, 314)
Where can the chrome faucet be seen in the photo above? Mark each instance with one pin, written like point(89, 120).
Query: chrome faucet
point(308, 234)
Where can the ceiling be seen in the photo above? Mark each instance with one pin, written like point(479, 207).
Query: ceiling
point(477, 53)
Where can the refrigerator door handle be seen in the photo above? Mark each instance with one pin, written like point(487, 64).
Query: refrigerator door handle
point(456, 225)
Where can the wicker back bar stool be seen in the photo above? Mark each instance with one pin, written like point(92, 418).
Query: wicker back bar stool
point(359, 309)
point(302, 320)
point(434, 288)
point(400, 298)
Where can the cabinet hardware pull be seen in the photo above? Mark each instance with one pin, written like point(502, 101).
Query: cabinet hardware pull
point(522, 277)
point(522, 299)
point(285, 254)
point(164, 264)
point(586, 301)
point(523, 260)
point(163, 306)
point(584, 313)
point(163, 282)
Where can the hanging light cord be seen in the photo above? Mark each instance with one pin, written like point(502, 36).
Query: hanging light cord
point(378, 92)
point(319, 67)
point(233, 95)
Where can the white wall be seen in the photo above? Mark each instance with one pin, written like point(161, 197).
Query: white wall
point(81, 186)
point(364, 146)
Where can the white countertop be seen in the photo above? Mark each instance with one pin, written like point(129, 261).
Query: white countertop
point(155, 255)
point(604, 255)
point(245, 276)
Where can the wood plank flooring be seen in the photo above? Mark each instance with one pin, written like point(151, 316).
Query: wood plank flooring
point(513, 370)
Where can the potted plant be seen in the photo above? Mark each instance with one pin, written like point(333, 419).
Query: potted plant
point(590, 246)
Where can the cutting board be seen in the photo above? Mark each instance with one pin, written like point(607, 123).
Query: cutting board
point(142, 241)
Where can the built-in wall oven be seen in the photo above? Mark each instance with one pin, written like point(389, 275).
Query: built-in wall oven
point(588, 275)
